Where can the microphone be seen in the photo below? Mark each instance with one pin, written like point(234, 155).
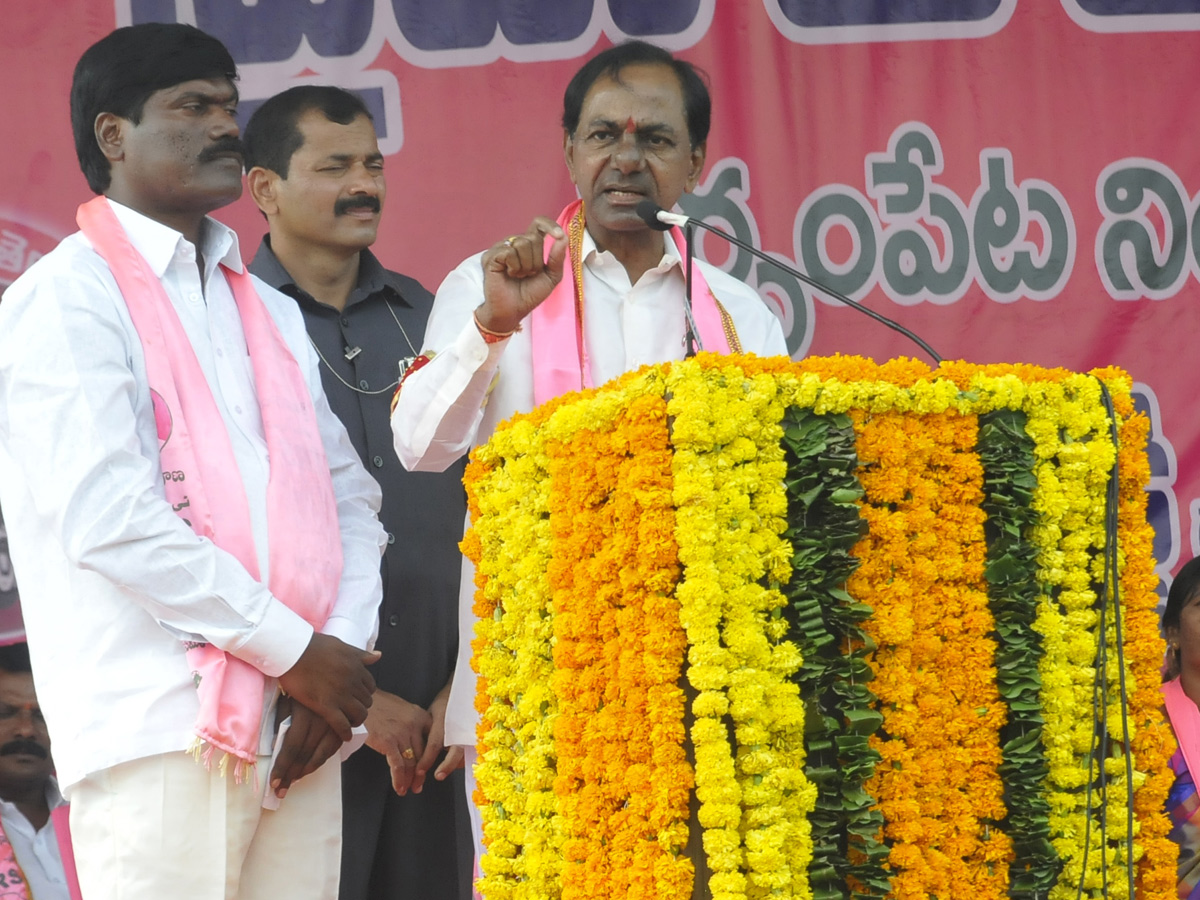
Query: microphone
point(661, 220)
point(656, 217)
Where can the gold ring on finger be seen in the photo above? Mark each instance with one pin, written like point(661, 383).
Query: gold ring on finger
point(408, 754)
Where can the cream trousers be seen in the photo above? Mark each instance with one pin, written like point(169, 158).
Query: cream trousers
point(166, 828)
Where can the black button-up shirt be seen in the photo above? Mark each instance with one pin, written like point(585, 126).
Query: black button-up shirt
point(423, 512)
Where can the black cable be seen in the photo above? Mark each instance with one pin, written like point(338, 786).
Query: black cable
point(1112, 576)
point(689, 334)
point(648, 211)
point(1110, 590)
point(878, 317)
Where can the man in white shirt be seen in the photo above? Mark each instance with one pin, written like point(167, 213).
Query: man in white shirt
point(635, 124)
point(154, 619)
point(28, 790)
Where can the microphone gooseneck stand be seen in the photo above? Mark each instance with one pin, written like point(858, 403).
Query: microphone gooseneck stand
point(661, 220)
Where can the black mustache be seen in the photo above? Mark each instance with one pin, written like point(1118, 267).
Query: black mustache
point(637, 186)
point(30, 748)
point(343, 206)
point(222, 146)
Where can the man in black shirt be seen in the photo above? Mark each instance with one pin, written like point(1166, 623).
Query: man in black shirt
point(316, 172)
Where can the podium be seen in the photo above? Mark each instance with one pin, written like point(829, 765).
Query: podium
point(890, 629)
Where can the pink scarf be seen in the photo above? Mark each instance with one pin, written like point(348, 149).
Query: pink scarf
point(60, 815)
point(560, 357)
point(1185, 722)
point(13, 885)
point(201, 481)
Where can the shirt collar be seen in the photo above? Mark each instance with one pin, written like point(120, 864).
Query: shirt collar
point(669, 259)
point(266, 265)
point(372, 276)
point(159, 244)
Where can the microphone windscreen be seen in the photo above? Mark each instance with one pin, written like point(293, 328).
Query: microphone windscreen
point(647, 211)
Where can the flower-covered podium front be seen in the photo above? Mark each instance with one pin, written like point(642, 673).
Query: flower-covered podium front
point(894, 626)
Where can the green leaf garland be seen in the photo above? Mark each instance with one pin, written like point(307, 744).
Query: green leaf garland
point(823, 527)
point(1006, 452)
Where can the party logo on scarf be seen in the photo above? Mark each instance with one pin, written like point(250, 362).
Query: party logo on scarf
point(163, 422)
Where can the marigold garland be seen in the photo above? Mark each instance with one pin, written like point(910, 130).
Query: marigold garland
point(512, 653)
point(921, 571)
point(581, 638)
point(1153, 740)
point(622, 775)
point(731, 510)
point(1069, 427)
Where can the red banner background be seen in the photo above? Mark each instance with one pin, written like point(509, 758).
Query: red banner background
point(1067, 102)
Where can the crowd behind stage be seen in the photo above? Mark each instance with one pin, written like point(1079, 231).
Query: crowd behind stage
point(243, 565)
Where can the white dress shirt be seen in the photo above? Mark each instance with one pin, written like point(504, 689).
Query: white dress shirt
point(37, 850)
point(445, 407)
point(111, 578)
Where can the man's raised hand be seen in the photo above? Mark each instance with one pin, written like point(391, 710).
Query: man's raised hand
point(518, 274)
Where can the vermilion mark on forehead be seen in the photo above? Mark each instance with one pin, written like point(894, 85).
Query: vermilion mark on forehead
point(630, 126)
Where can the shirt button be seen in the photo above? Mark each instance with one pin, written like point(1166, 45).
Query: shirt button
point(363, 384)
point(194, 297)
point(378, 460)
point(220, 352)
point(238, 410)
point(391, 538)
point(345, 321)
point(393, 620)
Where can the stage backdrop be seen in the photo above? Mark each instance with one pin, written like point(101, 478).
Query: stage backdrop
point(1015, 180)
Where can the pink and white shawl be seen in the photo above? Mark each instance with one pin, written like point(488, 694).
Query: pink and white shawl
point(560, 357)
point(201, 481)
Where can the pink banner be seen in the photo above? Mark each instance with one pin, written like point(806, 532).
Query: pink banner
point(1015, 180)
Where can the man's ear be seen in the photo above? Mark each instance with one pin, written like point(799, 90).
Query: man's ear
point(569, 155)
point(109, 129)
point(696, 165)
point(262, 184)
